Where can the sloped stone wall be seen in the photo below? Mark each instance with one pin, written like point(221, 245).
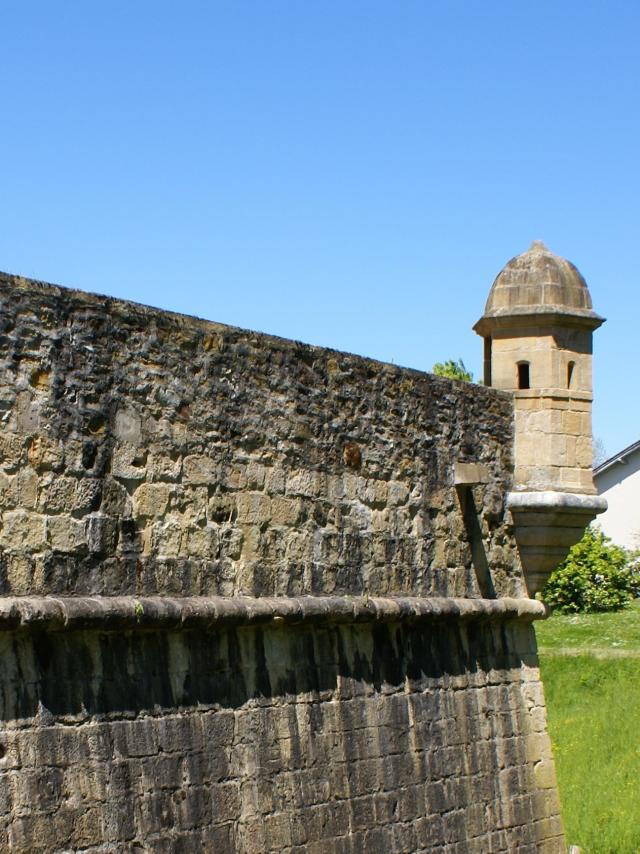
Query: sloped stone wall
point(245, 607)
point(417, 736)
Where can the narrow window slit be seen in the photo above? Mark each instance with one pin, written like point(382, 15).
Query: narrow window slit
point(487, 361)
point(523, 375)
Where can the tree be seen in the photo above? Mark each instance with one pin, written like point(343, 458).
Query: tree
point(453, 370)
point(596, 575)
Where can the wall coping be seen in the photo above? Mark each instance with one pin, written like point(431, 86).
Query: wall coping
point(552, 500)
point(150, 612)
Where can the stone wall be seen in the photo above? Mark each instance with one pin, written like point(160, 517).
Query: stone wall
point(261, 506)
point(147, 452)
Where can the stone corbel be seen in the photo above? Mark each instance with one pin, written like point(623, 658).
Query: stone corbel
point(546, 525)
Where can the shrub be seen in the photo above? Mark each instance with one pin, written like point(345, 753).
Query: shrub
point(596, 575)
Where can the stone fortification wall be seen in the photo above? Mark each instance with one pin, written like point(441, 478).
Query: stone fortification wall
point(246, 608)
point(148, 452)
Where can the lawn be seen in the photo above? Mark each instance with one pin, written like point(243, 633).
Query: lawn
point(591, 671)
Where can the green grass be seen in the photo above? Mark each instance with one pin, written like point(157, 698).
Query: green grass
point(605, 634)
point(591, 672)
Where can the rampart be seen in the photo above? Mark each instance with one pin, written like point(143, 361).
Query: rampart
point(256, 596)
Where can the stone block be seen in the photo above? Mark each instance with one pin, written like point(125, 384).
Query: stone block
point(163, 467)
point(167, 537)
point(235, 478)
point(201, 542)
point(26, 414)
point(275, 480)
point(101, 533)
point(25, 488)
point(88, 496)
point(256, 475)
point(398, 493)
point(128, 462)
point(23, 530)
point(285, 511)
point(127, 426)
point(115, 498)
point(308, 484)
point(65, 534)
point(57, 494)
point(45, 454)
point(545, 774)
point(12, 451)
point(253, 508)
point(200, 469)
point(151, 500)
point(584, 452)
point(572, 423)
point(19, 569)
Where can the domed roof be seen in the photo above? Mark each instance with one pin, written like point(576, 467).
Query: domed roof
point(539, 282)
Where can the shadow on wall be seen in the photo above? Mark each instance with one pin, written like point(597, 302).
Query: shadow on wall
point(480, 563)
point(93, 673)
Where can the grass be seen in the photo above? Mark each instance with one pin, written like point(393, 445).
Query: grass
point(599, 634)
point(591, 672)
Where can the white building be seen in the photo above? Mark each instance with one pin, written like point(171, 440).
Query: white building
point(618, 480)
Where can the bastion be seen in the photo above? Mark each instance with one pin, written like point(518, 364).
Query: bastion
point(258, 596)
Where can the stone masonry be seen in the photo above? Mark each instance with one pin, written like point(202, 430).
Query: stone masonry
point(249, 603)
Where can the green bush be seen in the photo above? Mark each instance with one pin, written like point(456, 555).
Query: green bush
point(596, 575)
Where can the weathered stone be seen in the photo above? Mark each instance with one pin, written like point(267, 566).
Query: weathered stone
point(199, 469)
point(101, 533)
point(57, 494)
point(11, 451)
point(253, 508)
point(163, 466)
point(23, 531)
point(115, 498)
point(128, 462)
point(151, 499)
point(45, 454)
point(127, 426)
point(285, 511)
point(65, 534)
point(25, 488)
point(245, 551)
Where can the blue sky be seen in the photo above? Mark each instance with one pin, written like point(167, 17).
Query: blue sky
point(347, 174)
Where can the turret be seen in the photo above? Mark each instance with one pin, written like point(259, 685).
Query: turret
point(537, 328)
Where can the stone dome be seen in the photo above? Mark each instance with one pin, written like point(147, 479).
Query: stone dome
point(539, 282)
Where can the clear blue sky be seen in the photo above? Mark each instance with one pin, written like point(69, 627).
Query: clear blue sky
point(351, 174)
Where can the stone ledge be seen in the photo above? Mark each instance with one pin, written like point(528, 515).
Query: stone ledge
point(129, 612)
point(553, 500)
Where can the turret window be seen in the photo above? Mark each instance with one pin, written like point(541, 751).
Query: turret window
point(523, 375)
point(487, 361)
point(570, 374)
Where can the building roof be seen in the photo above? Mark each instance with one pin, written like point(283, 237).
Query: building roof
point(617, 459)
point(538, 282)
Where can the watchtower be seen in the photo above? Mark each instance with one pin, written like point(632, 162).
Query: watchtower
point(537, 327)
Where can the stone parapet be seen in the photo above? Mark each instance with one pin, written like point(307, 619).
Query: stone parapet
point(148, 453)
